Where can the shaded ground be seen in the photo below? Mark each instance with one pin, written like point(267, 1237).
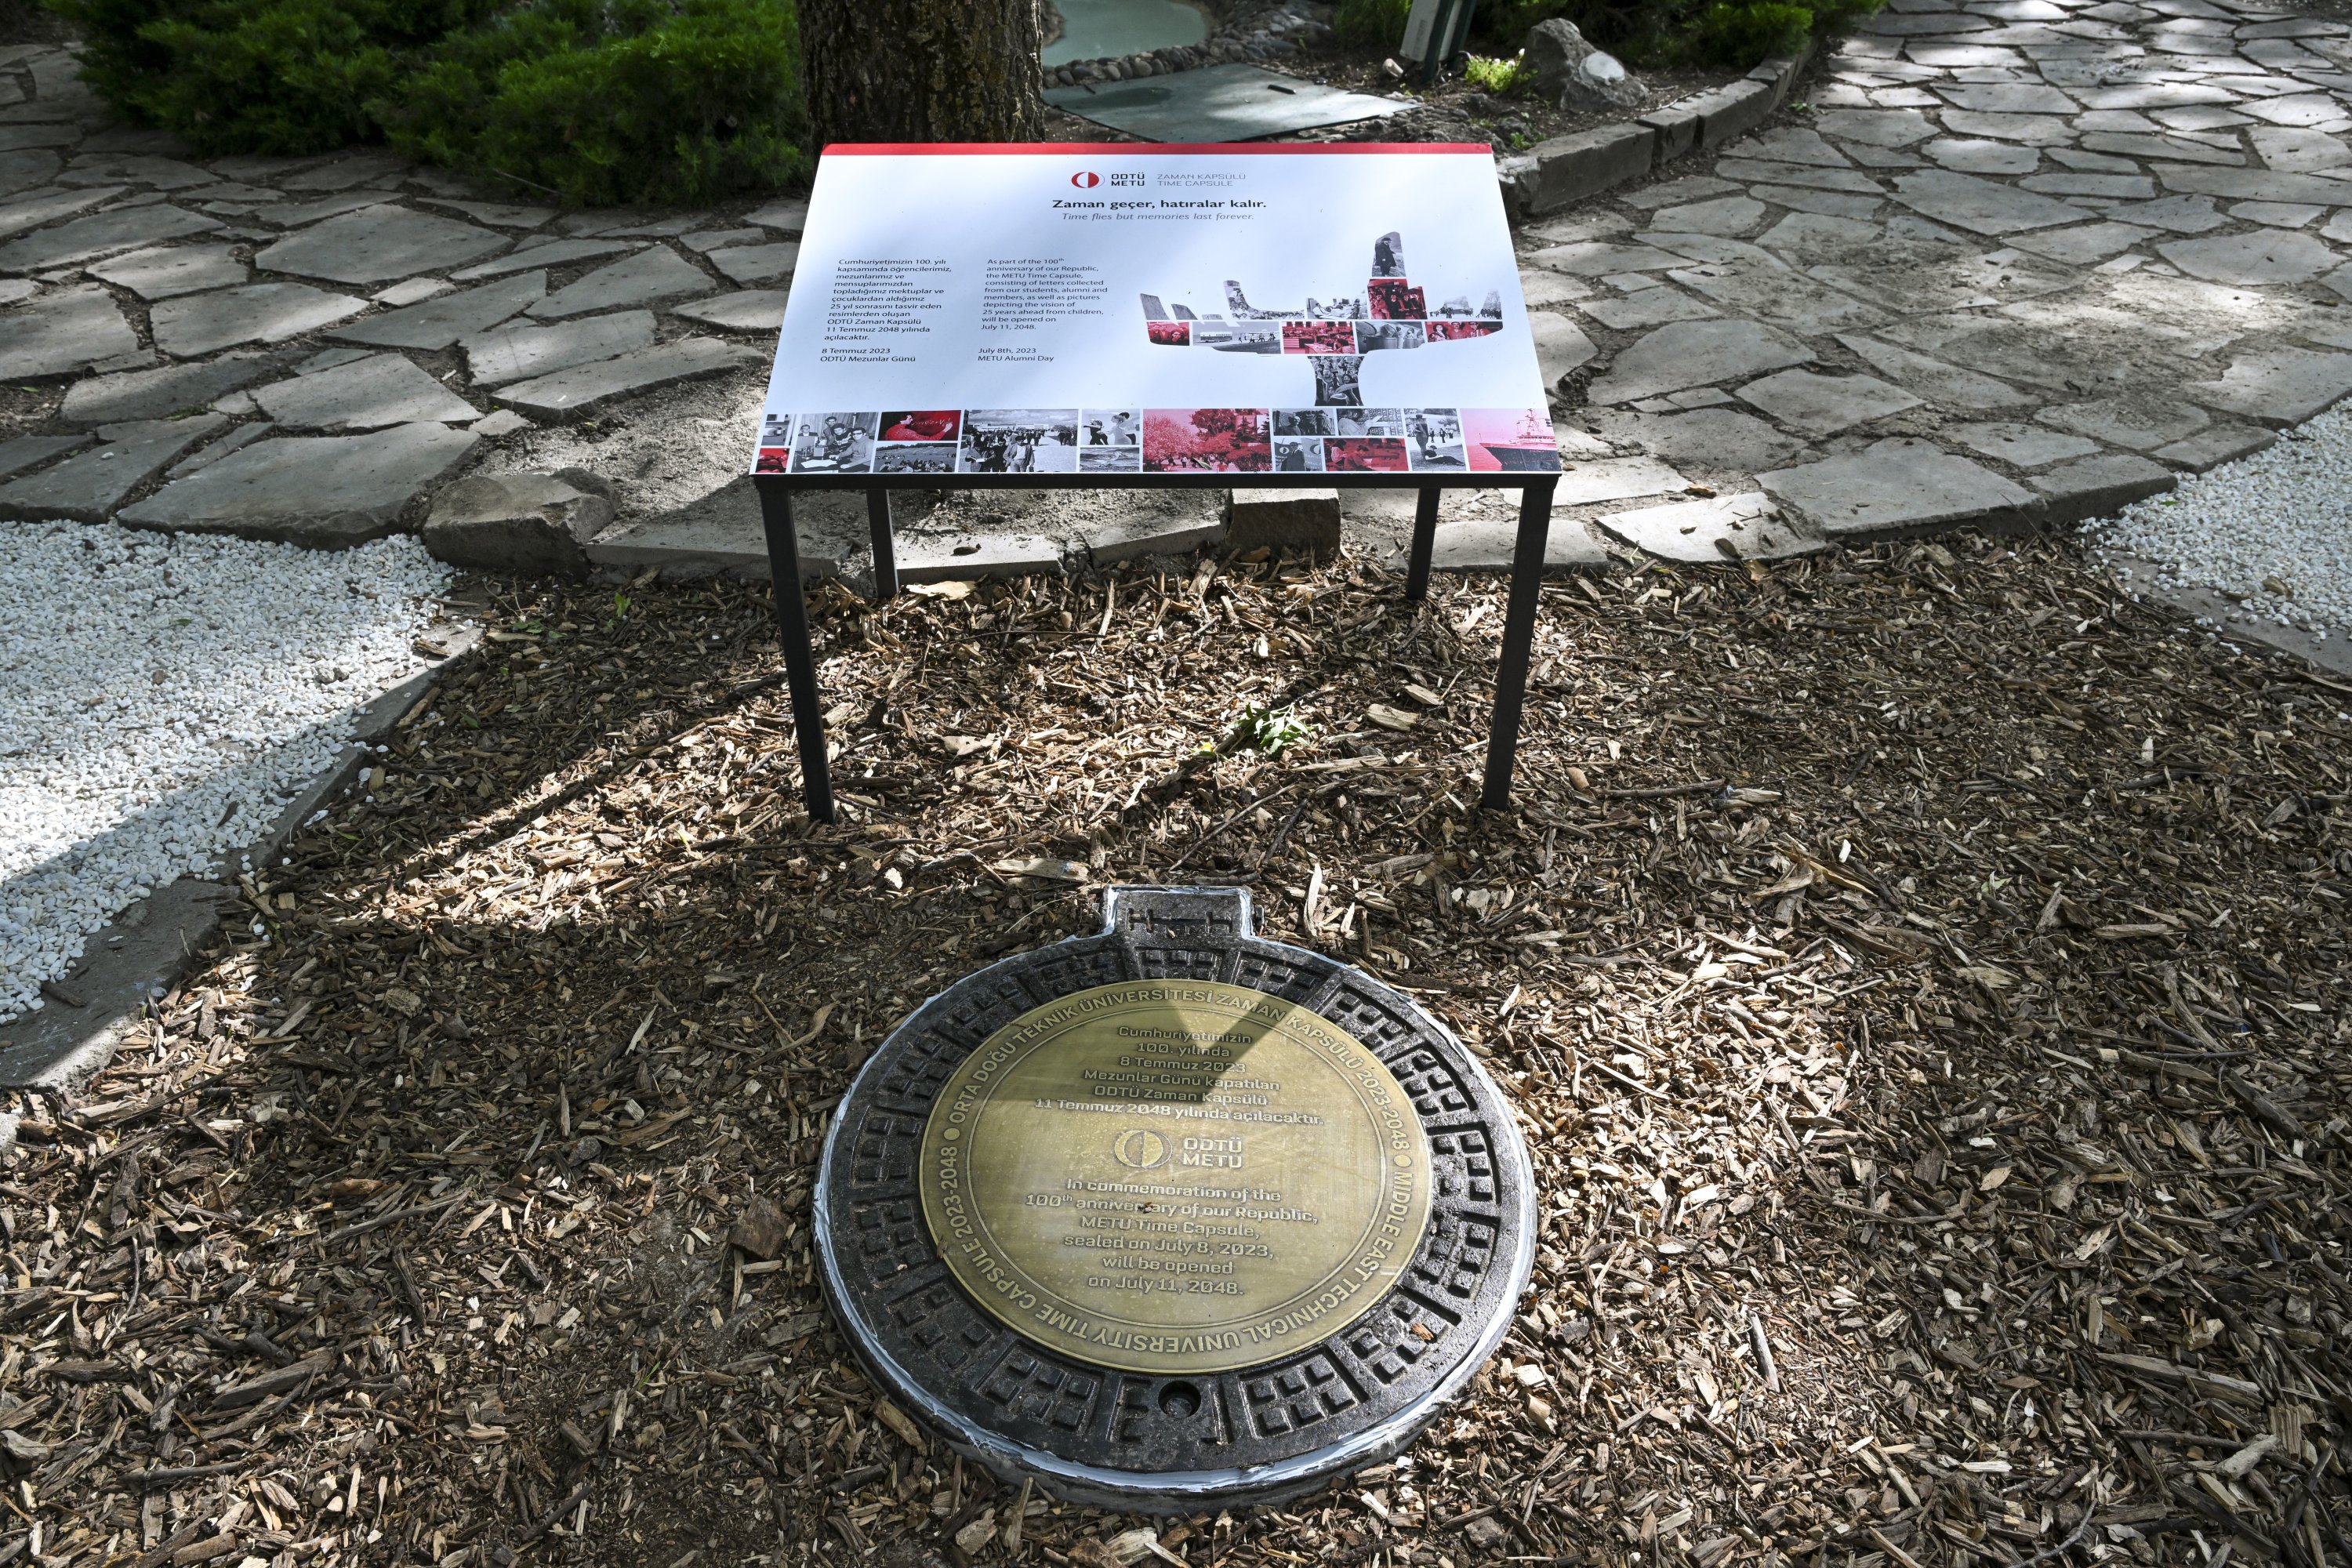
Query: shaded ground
point(1927, 968)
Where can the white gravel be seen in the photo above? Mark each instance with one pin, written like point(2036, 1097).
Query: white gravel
point(2272, 531)
point(160, 701)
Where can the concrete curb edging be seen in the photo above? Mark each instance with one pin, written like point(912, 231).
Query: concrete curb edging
point(144, 950)
point(1553, 175)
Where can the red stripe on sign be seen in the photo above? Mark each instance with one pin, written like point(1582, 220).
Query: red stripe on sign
point(1131, 149)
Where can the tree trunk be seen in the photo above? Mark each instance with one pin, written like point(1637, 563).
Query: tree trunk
point(922, 71)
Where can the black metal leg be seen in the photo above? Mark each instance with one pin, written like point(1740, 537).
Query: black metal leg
point(886, 547)
point(1424, 540)
point(1518, 642)
point(800, 660)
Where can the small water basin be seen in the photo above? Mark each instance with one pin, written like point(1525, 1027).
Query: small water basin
point(1094, 29)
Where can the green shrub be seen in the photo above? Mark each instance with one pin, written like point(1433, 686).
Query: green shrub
point(1500, 78)
point(1652, 33)
point(1370, 23)
point(596, 101)
point(624, 101)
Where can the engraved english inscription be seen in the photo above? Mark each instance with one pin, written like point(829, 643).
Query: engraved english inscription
point(1174, 1176)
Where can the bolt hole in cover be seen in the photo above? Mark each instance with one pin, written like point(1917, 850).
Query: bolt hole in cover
point(1173, 1217)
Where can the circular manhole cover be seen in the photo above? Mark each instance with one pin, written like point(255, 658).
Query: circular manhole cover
point(1173, 1216)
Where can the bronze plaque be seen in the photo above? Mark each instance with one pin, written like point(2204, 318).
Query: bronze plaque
point(1174, 1176)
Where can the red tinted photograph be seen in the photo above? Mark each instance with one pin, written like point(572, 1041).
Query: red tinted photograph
point(1444, 331)
point(1171, 334)
point(772, 460)
point(1504, 440)
point(1318, 338)
point(1394, 299)
point(1363, 455)
point(1210, 440)
point(922, 425)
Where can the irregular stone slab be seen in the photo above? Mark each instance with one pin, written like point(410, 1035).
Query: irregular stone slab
point(295, 214)
point(786, 216)
point(1589, 482)
point(519, 352)
point(1921, 24)
point(1664, 193)
point(1561, 345)
point(239, 437)
point(500, 422)
point(1898, 486)
point(2277, 386)
point(752, 311)
point(2034, 129)
point(1490, 544)
point(1796, 144)
point(568, 394)
point(2098, 485)
point(2111, 187)
point(1784, 298)
point(1716, 439)
point(134, 169)
point(2008, 98)
point(15, 138)
point(89, 487)
point(520, 525)
point(47, 206)
point(160, 393)
point(329, 492)
point(1696, 353)
point(328, 359)
point(2153, 95)
point(1604, 223)
point(1156, 523)
point(102, 234)
point(256, 313)
point(24, 451)
point(706, 240)
point(1753, 170)
point(1746, 527)
point(2298, 152)
point(1982, 206)
point(2278, 214)
point(444, 319)
point(1647, 307)
point(1836, 203)
point(1732, 215)
point(1878, 127)
point(23, 170)
point(500, 215)
point(2253, 260)
point(2180, 215)
point(2299, 110)
point(1982, 157)
point(2141, 422)
point(1803, 238)
point(365, 168)
point(366, 394)
point(959, 556)
point(652, 278)
point(375, 245)
point(1823, 404)
point(2213, 446)
point(413, 291)
point(2253, 185)
point(2024, 446)
point(757, 263)
point(1543, 290)
point(548, 253)
point(175, 269)
point(722, 533)
point(1597, 258)
point(61, 332)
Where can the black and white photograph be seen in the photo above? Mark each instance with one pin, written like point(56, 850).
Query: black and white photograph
point(1388, 256)
point(1111, 427)
point(1373, 336)
point(1020, 441)
point(915, 458)
point(1111, 459)
point(833, 444)
point(1297, 455)
point(776, 430)
point(1304, 422)
point(1370, 421)
point(1433, 439)
point(1242, 338)
point(1335, 379)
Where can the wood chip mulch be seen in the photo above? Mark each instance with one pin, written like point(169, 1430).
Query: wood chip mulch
point(1922, 975)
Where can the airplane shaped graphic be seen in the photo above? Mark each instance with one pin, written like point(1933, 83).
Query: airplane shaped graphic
point(1391, 314)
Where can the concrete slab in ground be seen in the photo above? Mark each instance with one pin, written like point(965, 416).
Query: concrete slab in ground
point(1486, 542)
point(1219, 103)
point(1746, 527)
point(375, 245)
point(102, 234)
point(365, 393)
point(166, 390)
point(28, 451)
point(256, 313)
point(652, 277)
point(63, 331)
point(327, 492)
point(89, 487)
point(159, 274)
point(1898, 486)
point(437, 322)
point(944, 557)
point(569, 393)
point(751, 310)
point(1156, 523)
point(520, 352)
point(722, 534)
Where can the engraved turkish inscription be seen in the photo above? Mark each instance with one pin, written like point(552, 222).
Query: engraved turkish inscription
point(1174, 1176)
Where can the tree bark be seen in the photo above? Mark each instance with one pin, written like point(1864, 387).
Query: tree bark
point(922, 71)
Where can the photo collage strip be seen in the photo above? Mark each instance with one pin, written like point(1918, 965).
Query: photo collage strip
point(1337, 439)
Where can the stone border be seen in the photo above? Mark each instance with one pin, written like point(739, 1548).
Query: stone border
point(144, 950)
point(1567, 169)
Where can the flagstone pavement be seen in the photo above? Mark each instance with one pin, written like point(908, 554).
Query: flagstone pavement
point(2009, 262)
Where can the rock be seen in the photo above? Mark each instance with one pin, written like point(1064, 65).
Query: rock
point(650, 277)
point(757, 263)
point(520, 352)
point(520, 525)
point(1746, 527)
point(1897, 486)
point(1695, 354)
point(89, 487)
point(1294, 520)
point(500, 422)
point(751, 310)
point(256, 313)
point(24, 451)
point(177, 269)
point(366, 394)
point(569, 393)
point(155, 393)
point(1569, 72)
point(327, 492)
point(102, 234)
point(63, 331)
point(377, 244)
point(440, 322)
point(1823, 404)
point(944, 557)
point(760, 1233)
